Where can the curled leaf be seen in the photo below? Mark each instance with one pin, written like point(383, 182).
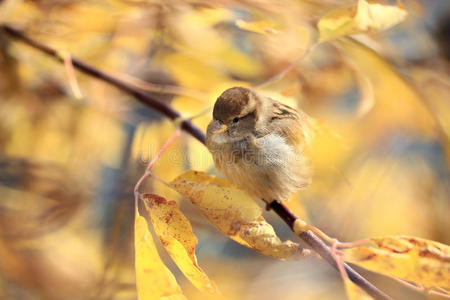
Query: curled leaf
point(234, 213)
point(410, 111)
point(153, 278)
point(363, 18)
point(367, 95)
point(175, 233)
point(409, 258)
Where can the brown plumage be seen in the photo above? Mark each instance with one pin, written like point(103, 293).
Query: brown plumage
point(258, 143)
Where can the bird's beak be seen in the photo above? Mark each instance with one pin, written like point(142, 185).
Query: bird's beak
point(217, 127)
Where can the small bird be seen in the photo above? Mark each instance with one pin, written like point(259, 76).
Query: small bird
point(258, 143)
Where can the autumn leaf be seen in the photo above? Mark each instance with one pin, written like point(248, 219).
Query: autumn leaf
point(354, 292)
point(409, 258)
point(366, 91)
point(234, 213)
point(363, 18)
point(153, 278)
point(262, 27)
point(175, 233)
point(381, 103)
point(396, 102)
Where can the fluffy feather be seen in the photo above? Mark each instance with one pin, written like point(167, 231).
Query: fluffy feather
point(258, 144)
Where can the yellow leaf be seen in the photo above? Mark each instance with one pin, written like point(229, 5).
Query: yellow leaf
point(234, 213)
point(354, 292)
point(207, 17)
point(262, 27)
point(191, 72)
point(367, 95)
point(175, 233)
point(409, 258)
point(153, 279)
point(363, 18)
point(13, 11)
point(288, 44)
point(196, 60)
point(396, 102)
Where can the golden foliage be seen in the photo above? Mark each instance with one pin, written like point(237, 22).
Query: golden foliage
point(234, 213)
point(175, 233)
point(397, 103)
point(262, 27)
point(354, 292)
point(153, 279)
point(413, 259)
point(379, 98)
point(362, 18)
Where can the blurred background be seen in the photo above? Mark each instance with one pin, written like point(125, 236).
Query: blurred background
point(69, 157)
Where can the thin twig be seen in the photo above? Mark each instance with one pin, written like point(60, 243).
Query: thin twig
point(149, 167)
point(67, 59)
point(288, 217)
point(161, 88)
point(140, 95)
point(322, 249)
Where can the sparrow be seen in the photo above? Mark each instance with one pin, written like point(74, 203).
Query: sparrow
point(259, 144)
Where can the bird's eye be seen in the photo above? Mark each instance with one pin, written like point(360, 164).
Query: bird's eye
point(235, 120)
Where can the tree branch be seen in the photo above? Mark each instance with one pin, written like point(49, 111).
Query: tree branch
point(288, 217)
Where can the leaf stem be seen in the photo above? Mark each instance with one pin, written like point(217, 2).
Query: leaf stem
point(323, 250)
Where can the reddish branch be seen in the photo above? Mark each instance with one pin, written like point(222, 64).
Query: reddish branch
point(288, 217)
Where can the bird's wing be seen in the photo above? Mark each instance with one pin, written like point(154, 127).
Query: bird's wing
point(291, 123)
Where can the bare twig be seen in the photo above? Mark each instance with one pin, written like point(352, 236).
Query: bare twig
point(288, 217)
point(161, 88)
point(149, 167)
point(320, 248)
point(84, 67)
point(71, 75)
